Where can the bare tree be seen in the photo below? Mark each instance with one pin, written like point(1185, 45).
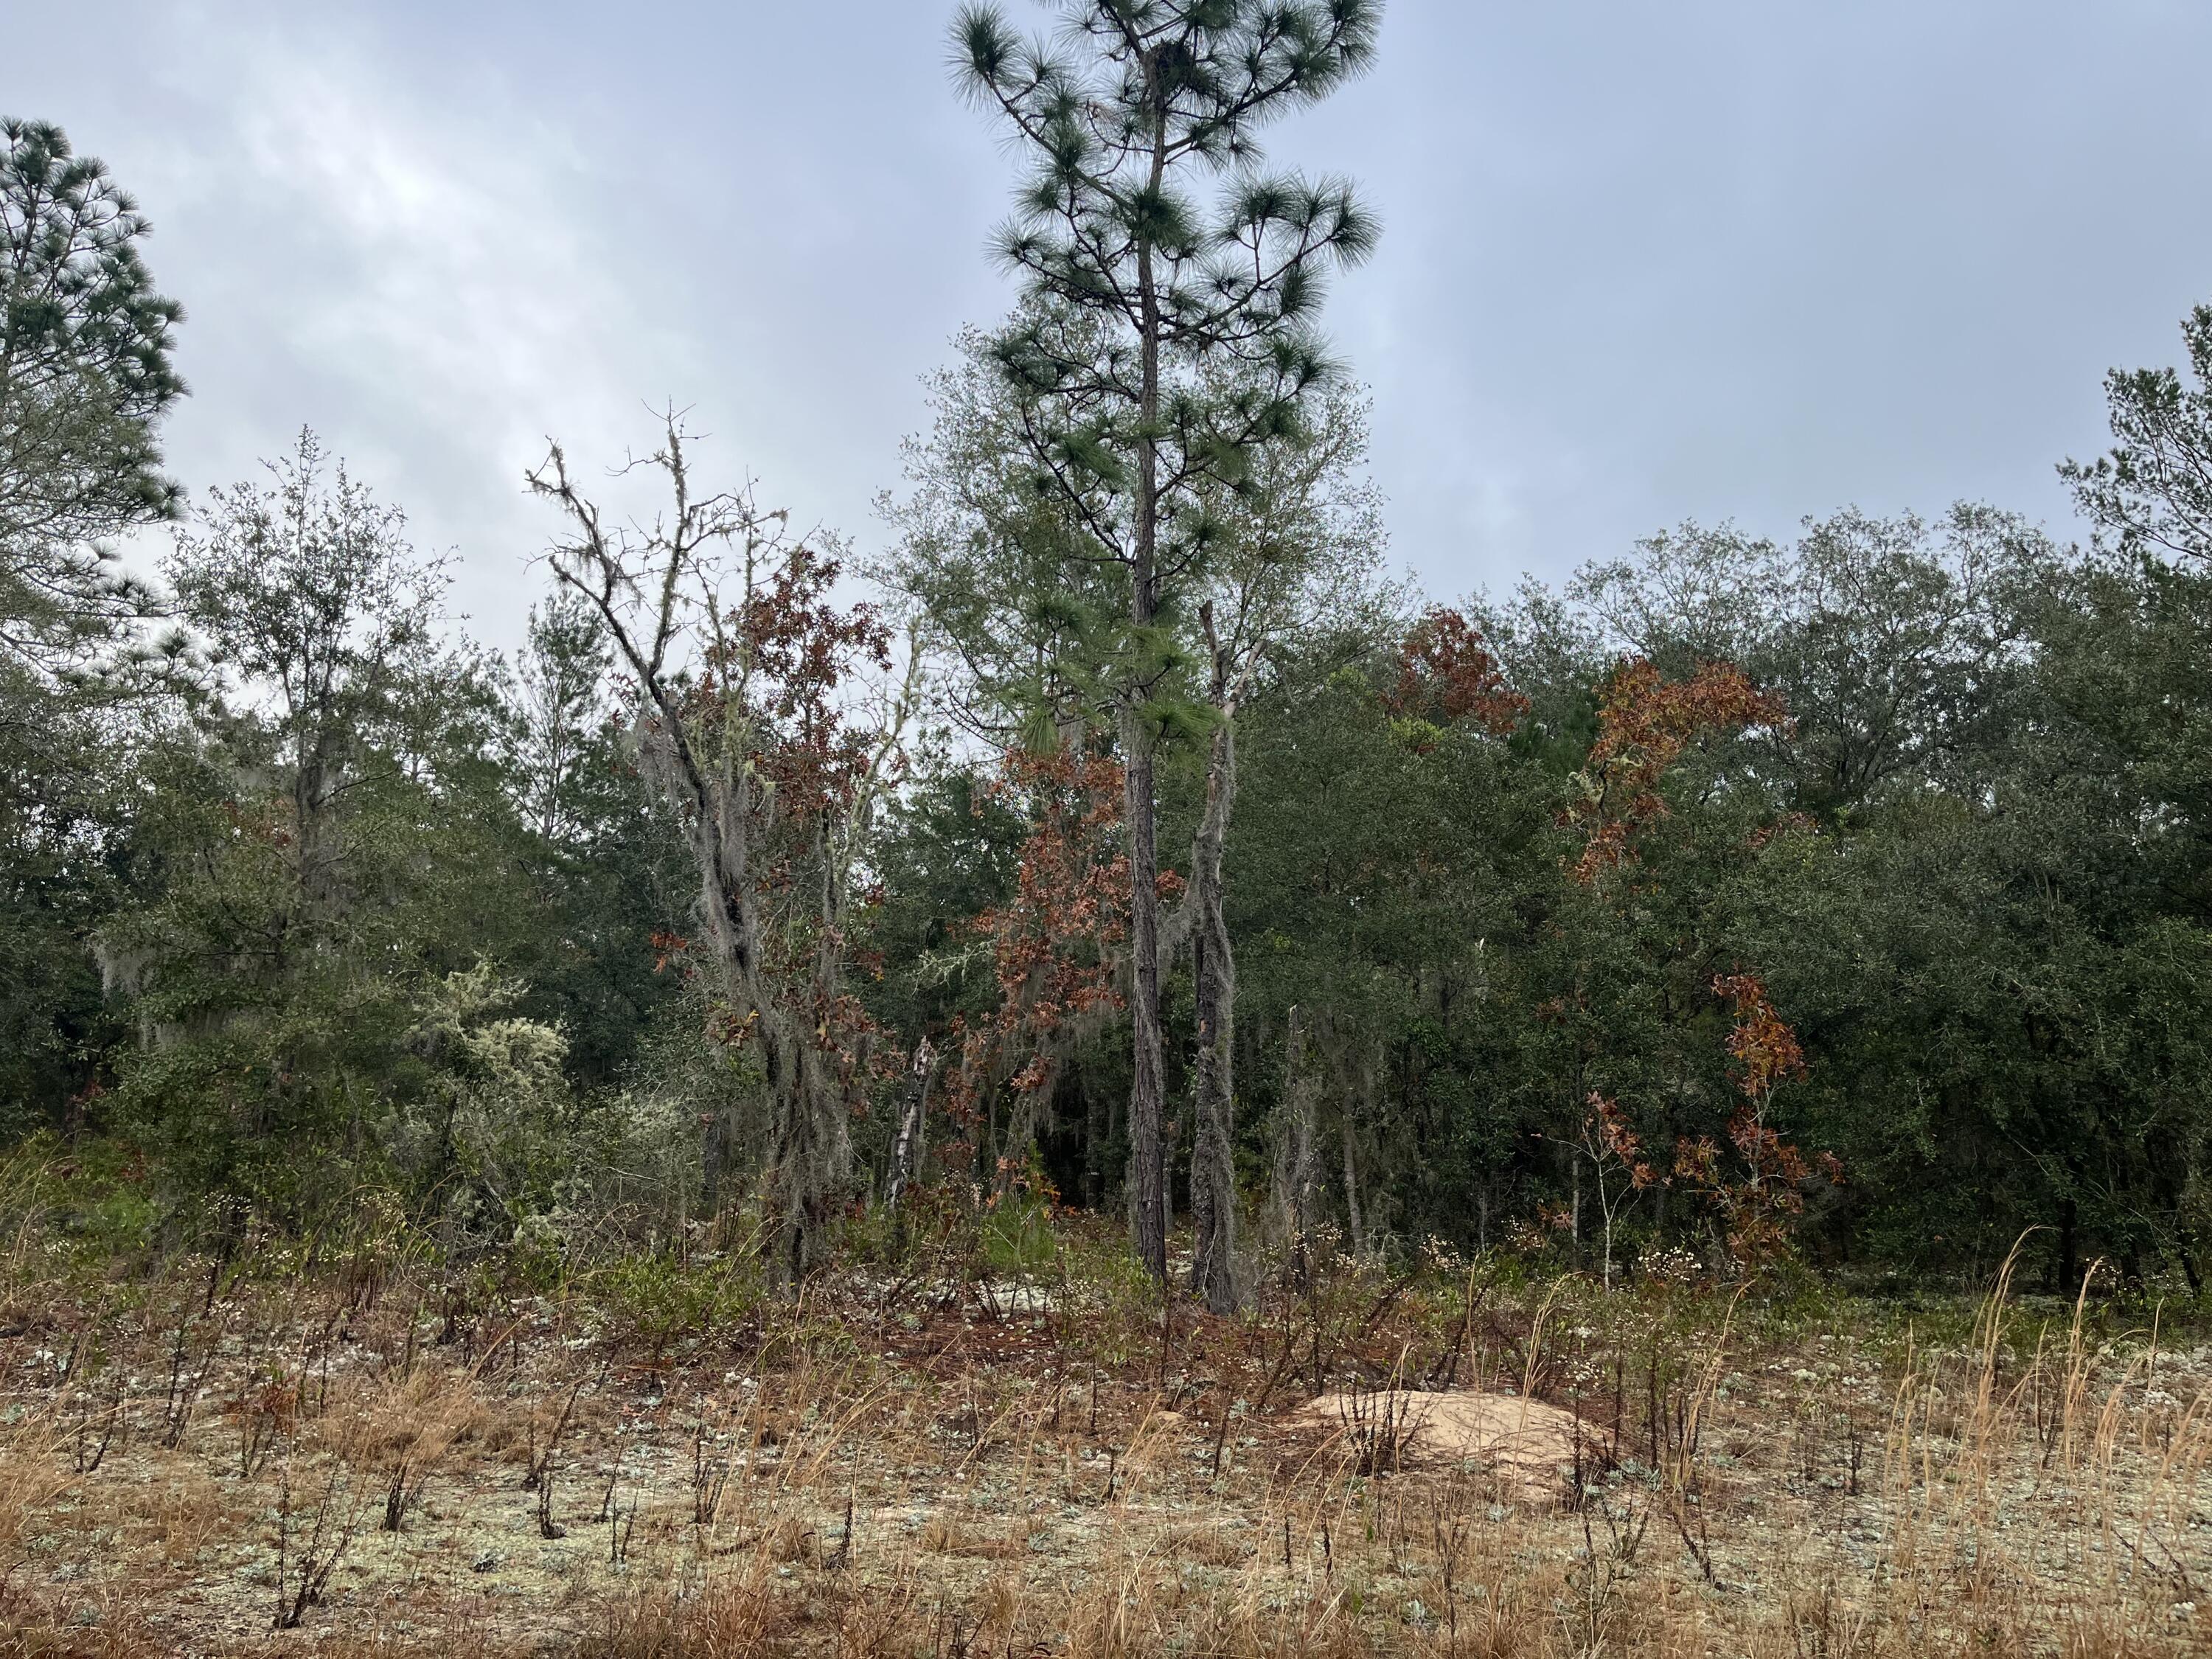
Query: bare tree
point(745, 675)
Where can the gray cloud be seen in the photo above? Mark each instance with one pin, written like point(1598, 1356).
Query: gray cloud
point(1640, 262)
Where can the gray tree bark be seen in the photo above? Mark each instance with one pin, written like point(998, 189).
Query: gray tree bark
point(1212, 1166)
point(906, 1146)
point(1297, 1174)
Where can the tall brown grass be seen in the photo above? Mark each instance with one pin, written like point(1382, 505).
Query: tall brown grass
point(949, 1472)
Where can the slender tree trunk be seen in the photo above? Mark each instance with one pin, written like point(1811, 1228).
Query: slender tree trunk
point(1148, 1082)
point(1097, 1126)
point(1575, 1222)
point(907, 1147)
point(1605, 1209)
point(2070, 1252)
point(1212, 1166)
point(1351, 1191)
point(1295, 1172)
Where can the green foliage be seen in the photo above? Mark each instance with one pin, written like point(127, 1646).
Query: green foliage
point(2154, 490)
point(607, 868)
point(656, 1302)
point(85, 377)
point(362, 941)
point(343, 885)
point(1018, 1236)
point(85, 374)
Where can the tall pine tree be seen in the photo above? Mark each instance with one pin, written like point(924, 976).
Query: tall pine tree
point(1137, 290)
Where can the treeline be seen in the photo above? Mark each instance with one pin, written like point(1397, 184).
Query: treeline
point(1137, 841)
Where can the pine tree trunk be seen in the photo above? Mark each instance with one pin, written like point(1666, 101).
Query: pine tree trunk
point(1147, 1083)
point(1212, 1168)
point(1148, 1165)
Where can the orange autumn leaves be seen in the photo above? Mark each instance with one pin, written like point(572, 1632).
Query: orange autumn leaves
point(1645, 724)
point(1758, 1194)
point(1611, 1135)
point(1054, 943)
point(1446, 674)
point(1759, 1199)
point(1765, 1049)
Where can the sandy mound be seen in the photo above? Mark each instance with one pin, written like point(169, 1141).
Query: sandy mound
point(1525, 1443)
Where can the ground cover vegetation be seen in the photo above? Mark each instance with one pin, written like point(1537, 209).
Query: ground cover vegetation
point(1105, 1076)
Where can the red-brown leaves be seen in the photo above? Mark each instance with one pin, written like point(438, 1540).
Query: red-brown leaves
point(1758, 1200)
point(1609, 1133)
point(1054, 942)
point(1764, 1048)
point(667, 947)
point(778, 689)
point(788, 653)
point(1645, 724)
point(1446, 674)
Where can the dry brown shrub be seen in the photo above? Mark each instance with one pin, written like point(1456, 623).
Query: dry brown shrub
point(392, 1436)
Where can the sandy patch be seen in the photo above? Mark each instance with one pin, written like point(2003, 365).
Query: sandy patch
point(1525, 1443)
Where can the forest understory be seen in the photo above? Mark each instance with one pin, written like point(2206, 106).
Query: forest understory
point(1006, 1443)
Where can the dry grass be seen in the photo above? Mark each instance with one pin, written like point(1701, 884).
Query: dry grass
point(960, 1464)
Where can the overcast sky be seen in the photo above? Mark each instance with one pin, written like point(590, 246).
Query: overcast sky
point(1641, 261)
